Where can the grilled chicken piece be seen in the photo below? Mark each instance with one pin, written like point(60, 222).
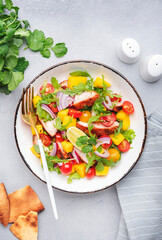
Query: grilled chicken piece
point(85, 99)
point(81, 155)
point(98, 128)
point(117, 107)
point(64, 84)
point(49, 127)
point(61, 152)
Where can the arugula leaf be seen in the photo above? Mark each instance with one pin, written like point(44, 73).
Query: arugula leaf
point(59, 49)
point(80, 73)
point(99, 167)
point(76, 90)
point(55, 83)
point(73, 176)
point(129, 135)
point(59, 125)
point(118, 130)
point(91, 161)
point(22, 64)
point(91, 120)
point(16, 78)
point(36, 147)
point(99, 149)
point(56, 159)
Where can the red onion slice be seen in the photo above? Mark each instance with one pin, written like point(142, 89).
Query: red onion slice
point(64, 101)
point(101, 141)
point(75, 155)
point(108, 104)
point(103, 155)
point(48, 109)
point(54, 150)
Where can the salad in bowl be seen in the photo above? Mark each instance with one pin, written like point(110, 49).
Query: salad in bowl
point(84, 126)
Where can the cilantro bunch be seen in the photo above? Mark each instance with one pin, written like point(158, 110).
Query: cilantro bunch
point(13, 33)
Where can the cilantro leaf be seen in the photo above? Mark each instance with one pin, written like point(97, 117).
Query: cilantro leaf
point(81, 141)
point(88, 148)
point(48, 42)
point(55, 83)
point(99, 167)
point(13, 50)
point(1, 63)
point(18, 42)
point(26, 23)
point(35, 40)
point(59, 49)
point(73, 176)
point(80, 73)
point(4, 89)
point(22, 64)
point(22, 32)
point(9, 4)
point(16, 78)
point(46, 53)
point(92, 140)
point(11, 61)
point(4, 50)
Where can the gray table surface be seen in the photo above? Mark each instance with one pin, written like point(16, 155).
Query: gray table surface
point(91, 30)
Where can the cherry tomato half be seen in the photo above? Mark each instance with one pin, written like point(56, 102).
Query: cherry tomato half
point(58, 137)
point(106, 145)
point(75, 113)
point(124, 146)
point(46, 140)
point(85, 116)
point(108, 120)
point(114, 99)
point(91, 173)
point(66, 168)
point(53, 107)
point(49, 89)
point(128, 107)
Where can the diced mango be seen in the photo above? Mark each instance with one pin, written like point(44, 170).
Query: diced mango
point(67, 146)
point(71, 124)
point(104, 172)
point(36, 99)
point(99, 83)
point(34, 152)
point(73, 170)
point(63, 113)
point(122, 116)
point(33, 131)
point(39, 128)
point(80, 169)
point(117, 139)
point(74, 81)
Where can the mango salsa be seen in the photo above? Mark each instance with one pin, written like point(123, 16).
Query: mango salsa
point(80, 169)
point(103, 172)
point(74, 81)
point(71, 124)
point(99, 83)
point(36, 99)
point(122, 116)
point(63, 113)
point(67, 146)
point(117, 139)
point(34, 152)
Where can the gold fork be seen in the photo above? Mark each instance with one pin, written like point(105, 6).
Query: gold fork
point(29, 117)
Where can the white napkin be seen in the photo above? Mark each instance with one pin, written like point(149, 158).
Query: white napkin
point(140, 193)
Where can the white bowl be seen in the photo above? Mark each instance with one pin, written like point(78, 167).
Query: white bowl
point(138, 123)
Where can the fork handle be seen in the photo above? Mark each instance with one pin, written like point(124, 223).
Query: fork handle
point(48, 180)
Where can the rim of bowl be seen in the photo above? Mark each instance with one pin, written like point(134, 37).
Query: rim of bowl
point(99, 64)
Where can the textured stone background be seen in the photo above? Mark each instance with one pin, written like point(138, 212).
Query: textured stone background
point(91, 30)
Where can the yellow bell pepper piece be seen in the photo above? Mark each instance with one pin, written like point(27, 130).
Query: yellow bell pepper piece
point(80, 169)
point(71, 124)
point(33, 131)
point(104, 172)
point(99, 83)
point(67, 146)
point(63, 113)
point(117, 139)
point(34, 152)
point(39, 128)
point(74, 81)
point(122, 116)
point(36, 99)
point(73, 170)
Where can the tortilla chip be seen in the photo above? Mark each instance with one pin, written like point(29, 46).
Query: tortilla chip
point(26, 227)
point(4, 206)
point(22, 202)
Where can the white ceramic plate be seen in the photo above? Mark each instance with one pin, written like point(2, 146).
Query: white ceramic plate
point(138, 123)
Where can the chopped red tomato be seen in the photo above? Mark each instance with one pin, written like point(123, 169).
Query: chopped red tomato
point(75, 113)
point(48, 89)
point(91, 173)
point(124, 146)
point(108, 120)
point(59, 137)
point(66, 168)
point(114, 99)
point(128, 107)
point(53, 107)
point(106, 145)
point(46, 140)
